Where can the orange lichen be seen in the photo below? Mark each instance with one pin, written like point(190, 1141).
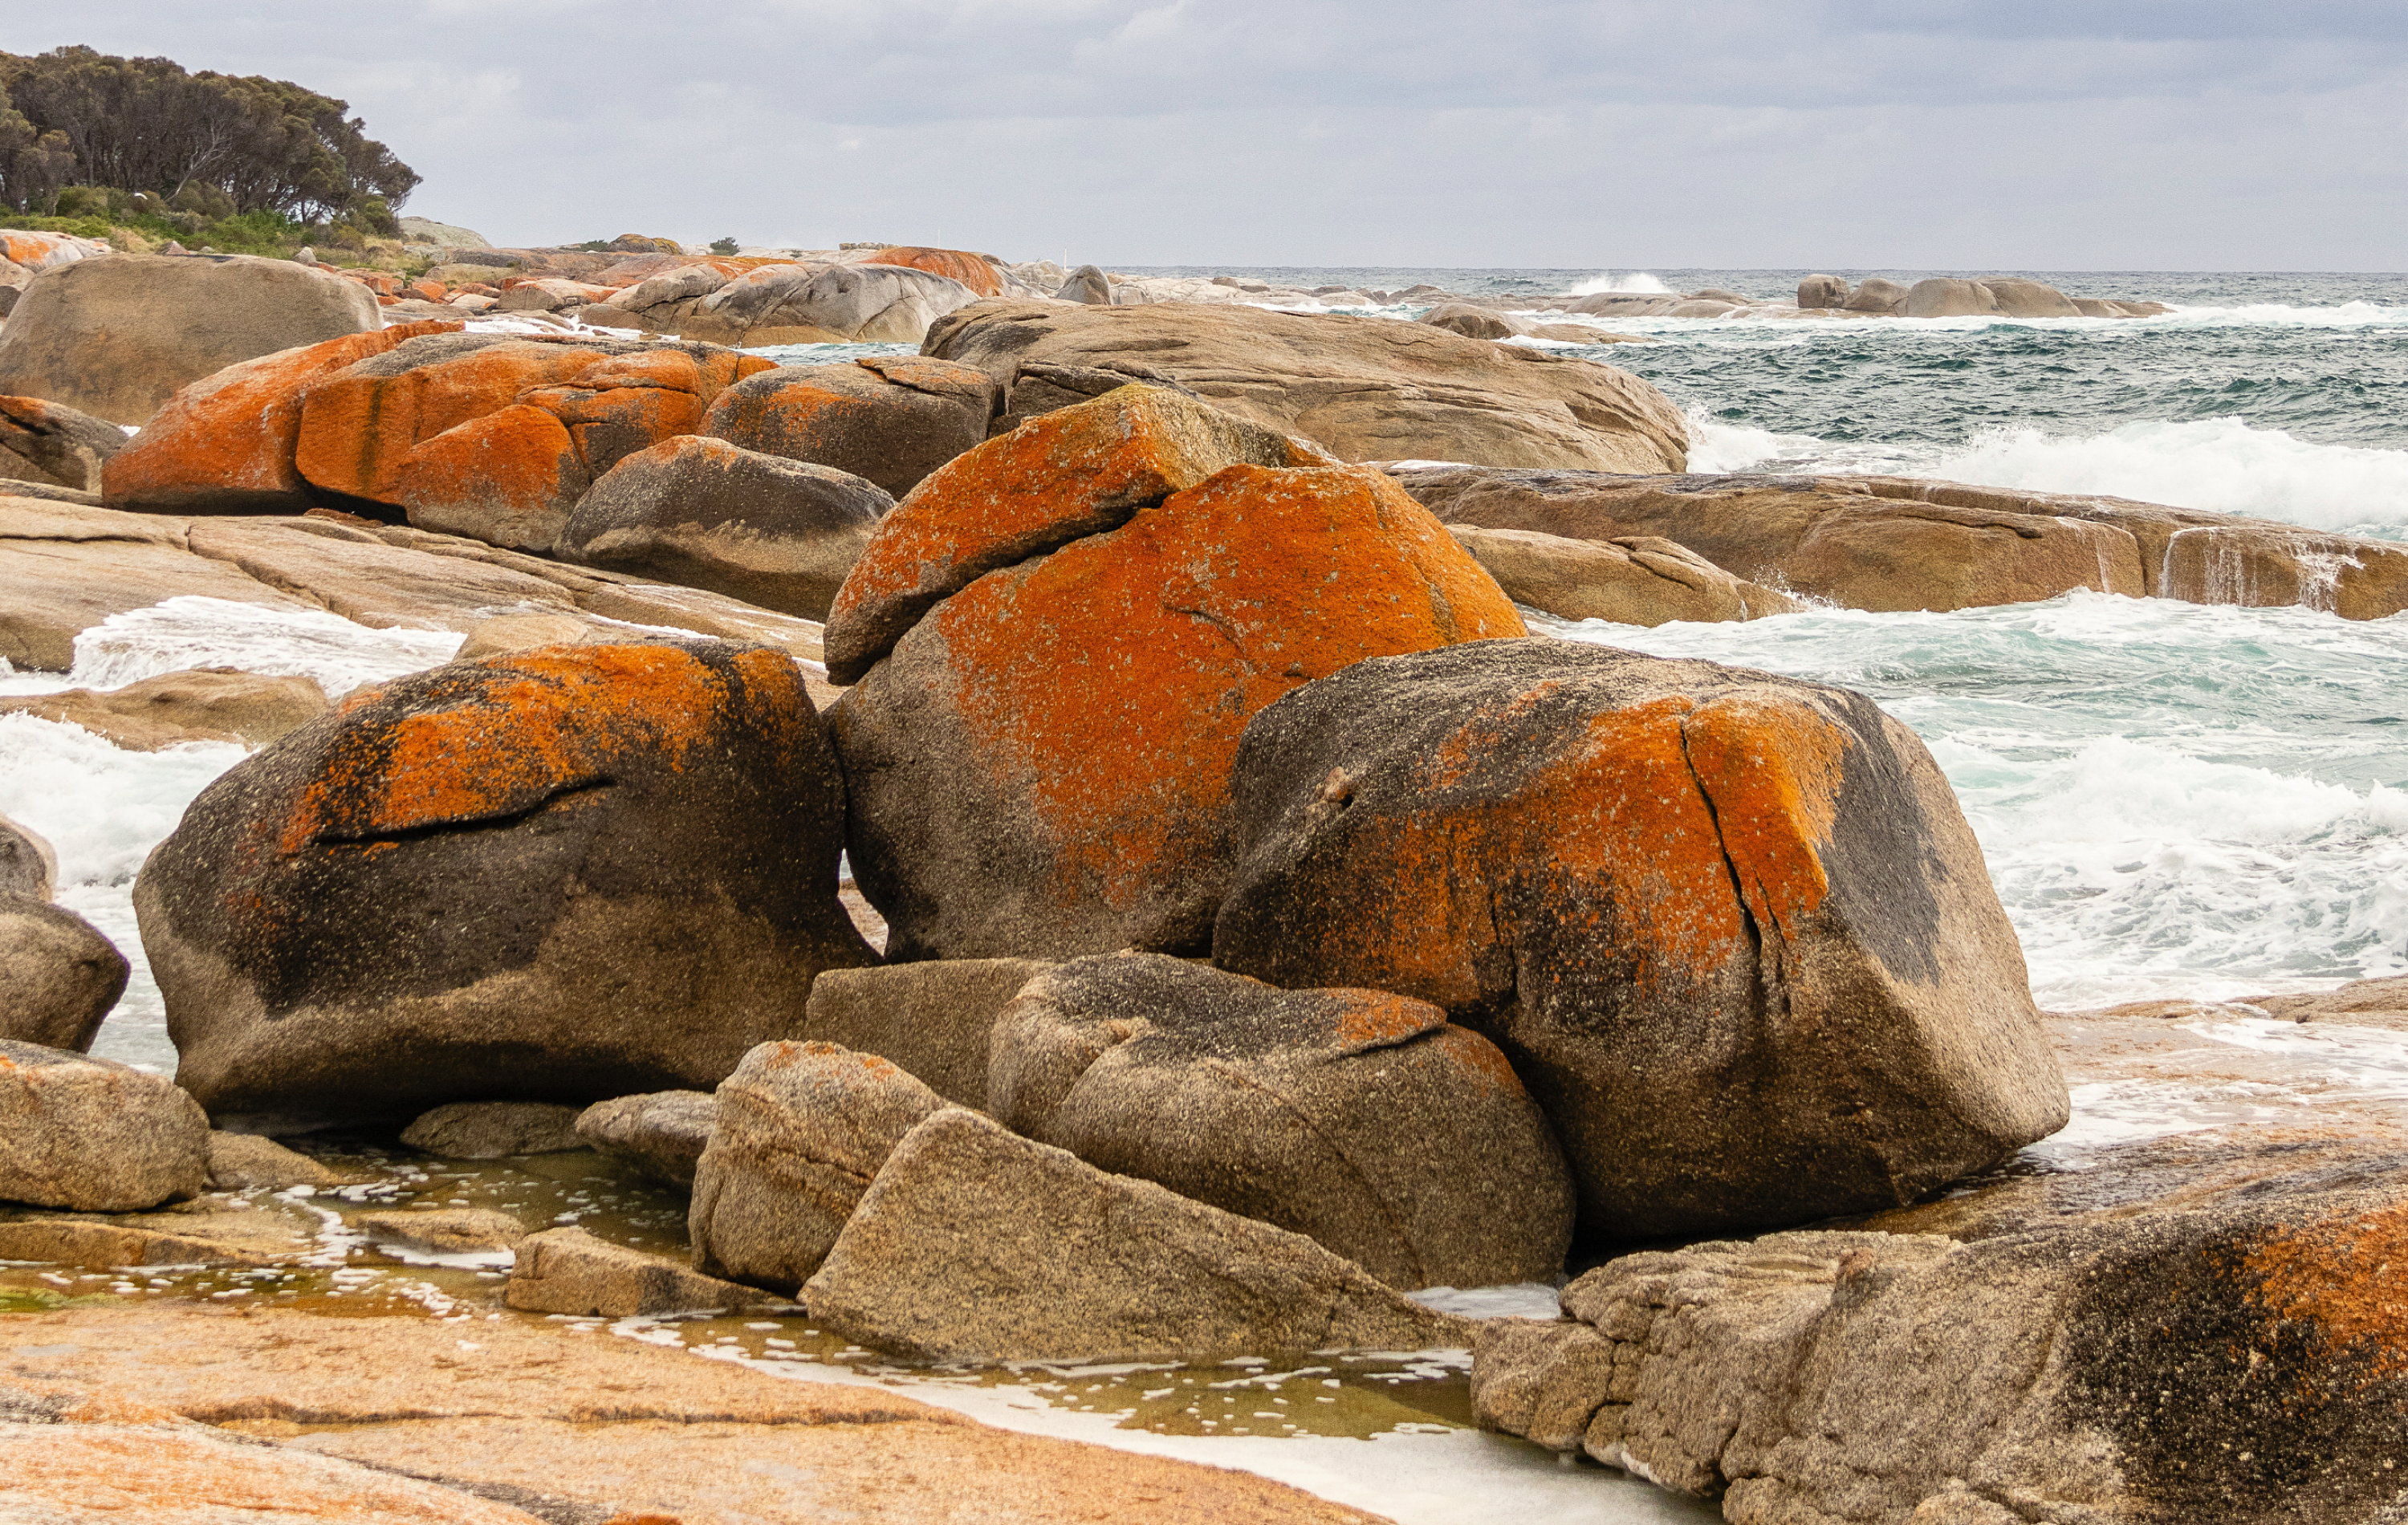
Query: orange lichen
point(1374, 1017)
point(537, 723)
point(2344, 1276)
point(519, 461)
point(969, 269)
point(1772, 765)
point(1108, 682)
point(356, 431)
point(793, 417)
point(1480, 1060)
point(239, 428)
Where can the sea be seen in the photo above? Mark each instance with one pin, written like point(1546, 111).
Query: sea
point(2173, 799)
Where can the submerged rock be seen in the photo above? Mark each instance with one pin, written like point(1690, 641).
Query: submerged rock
point(93, 1136)
point(976, 1245)
point(1361, 388)
point(2195, 1327)
point(115, 337)
point(59, 976)
point(444, 1231)
point(801, 1129)
point(1366, 1121)
point(662, 1133)
point(590, 871)
point(238, 1161)
point(1659, 887)
point(494, 1129)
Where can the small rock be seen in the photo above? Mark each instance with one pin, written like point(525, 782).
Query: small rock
point(1086, 284)
point(27, 865)
point(1473, 321)
point(1878, 294)
point(94, 1135)
point(48, 444)
point(59, 976)
point(82, 1242)
point(568, 1271)
point(662, 1133)
point(242, 1160)
point(202, 704)
point(801, 1129)
point(446, 1230)
point(931, 1017)
point(1822, 291)
point(974, 1243)
point(494, 1129)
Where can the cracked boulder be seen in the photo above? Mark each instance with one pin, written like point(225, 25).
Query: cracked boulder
point(889, 419)
point(1636, 579)
point(1363, 1120)
point(799, 1130)
point(1731, 929)
point(2200, 1328)
point(559, 875)
point(50, 444)
point(1039, 764)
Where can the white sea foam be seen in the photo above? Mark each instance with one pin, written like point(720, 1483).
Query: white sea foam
point(1637, 282)
point(196, 632)
point(2222, 466)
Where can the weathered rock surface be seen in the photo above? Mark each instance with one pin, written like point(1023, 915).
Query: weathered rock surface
point(975, 1243)
point(64, 569)
point(890, 420)
point(444, 1231)
point(106, 1462)
point(781, 534)
point(931, 1018)
point(662, 1133)
point(115, 337)
point(1901, 543)
point(51, 444)
point(59, 976)
point(202, 704)
point(494, 1129)
point(1635, 579)
point(1657, 885)
point(241, 1161)
point(1822, 291)
point(588, 1429)
point(93, 1136)
point(155, 1239)
point(1088, 285)
point(592, 871)
point(1039, 766)
point(27, 864)
point(570, 1271)
point(2192, 1329)
point(805, 304)
point(1080, 471)
point(1366, 389)
point(1475, 322)
point(1362, 1120)
point(801, 1129)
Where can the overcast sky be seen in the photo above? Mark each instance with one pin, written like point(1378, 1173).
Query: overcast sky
point(1614, 134)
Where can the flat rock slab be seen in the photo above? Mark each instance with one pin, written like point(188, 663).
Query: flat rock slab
point(568, 1271)
point(611, 1426)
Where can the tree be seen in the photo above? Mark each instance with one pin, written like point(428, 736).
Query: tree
point(145, 124)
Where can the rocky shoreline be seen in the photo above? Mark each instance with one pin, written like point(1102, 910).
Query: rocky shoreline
point(1249, 926)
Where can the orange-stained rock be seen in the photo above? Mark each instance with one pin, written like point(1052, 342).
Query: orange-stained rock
point(1730, 929)
point(590, 871)
point(225, 443)
point(1072, 473)
point(357, 427)
point(425, 291)
point(971, 271)
point(890, 420)
point(511, 477)
point(1361, 1119)
point(1040, 766)
point(51, 444)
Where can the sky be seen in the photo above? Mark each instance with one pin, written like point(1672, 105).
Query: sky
point(2048, 134)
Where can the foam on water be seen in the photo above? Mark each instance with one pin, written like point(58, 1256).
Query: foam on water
point(1637, 283)
point(2174, 799)
point(195, 632)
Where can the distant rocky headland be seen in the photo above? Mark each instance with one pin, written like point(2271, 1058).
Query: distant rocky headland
point(1248, 933)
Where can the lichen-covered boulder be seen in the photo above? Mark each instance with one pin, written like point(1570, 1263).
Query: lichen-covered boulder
point(800, 1129)
point(971, 271)
point(1363, 1120)
point(1039, 766)
point(891, 420)
point(778, 533)
point(1730, 929)
point(562, 874)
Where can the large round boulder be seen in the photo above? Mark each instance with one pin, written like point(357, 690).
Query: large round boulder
point(59, 976)
point(1040, 766)
point(1730, 929)
point(564, 874)
point(1364, 1120)
point(777, 533)
point(971, 271)
point(826, 304)
point(115, 337)
point(892, 419)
